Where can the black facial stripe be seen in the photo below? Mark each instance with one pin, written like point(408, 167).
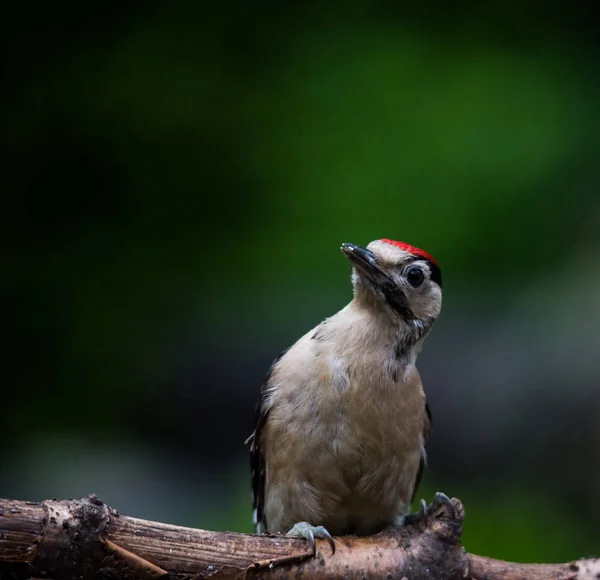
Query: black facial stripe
point(396, 298)
point(436, 273)
point(416, 331)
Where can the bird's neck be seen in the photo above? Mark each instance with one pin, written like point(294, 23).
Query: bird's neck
point(383, 319)
point(371, 329)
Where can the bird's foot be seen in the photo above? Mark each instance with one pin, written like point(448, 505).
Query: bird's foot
point(439, 499)
point(308, 532)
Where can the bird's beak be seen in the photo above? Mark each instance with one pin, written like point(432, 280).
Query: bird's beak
point(365, 262)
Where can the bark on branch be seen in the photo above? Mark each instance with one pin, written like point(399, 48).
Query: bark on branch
point(86, 539)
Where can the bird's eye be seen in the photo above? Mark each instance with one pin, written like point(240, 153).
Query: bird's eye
point(415, 276)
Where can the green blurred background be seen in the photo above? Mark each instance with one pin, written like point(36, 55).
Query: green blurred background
point(177, 180)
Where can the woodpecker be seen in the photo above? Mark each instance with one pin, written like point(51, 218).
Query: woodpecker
point(341, 426)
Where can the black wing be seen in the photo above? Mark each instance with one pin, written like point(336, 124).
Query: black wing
point(426, 431)
point(258, 468)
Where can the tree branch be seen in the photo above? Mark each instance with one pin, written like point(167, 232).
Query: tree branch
point(86, 539)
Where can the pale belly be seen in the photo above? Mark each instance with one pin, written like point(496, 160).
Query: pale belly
point(351, 474)
point(344, 450)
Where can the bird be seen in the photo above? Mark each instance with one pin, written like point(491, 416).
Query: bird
point(342, 422)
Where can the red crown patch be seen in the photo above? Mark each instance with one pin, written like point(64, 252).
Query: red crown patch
point(410, 249)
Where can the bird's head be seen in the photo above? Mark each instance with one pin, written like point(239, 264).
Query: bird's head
point(405, 281)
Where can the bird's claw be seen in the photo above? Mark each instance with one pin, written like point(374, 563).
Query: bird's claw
point(422, 515)
point(423, 509)
point(440, 499)
point(308, 532)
